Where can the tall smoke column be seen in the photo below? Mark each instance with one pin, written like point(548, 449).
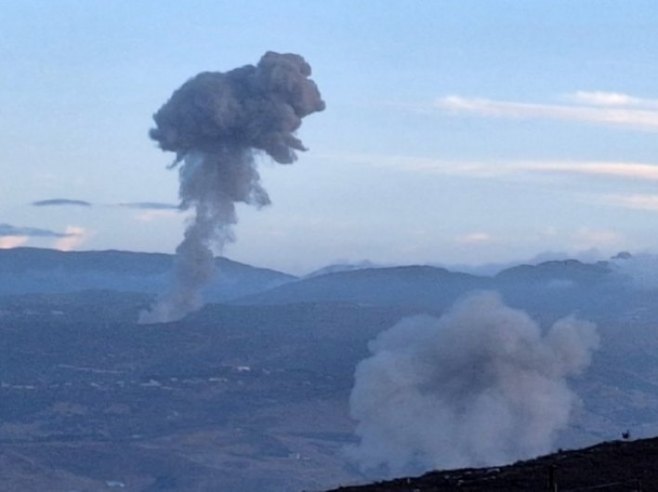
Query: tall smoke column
point(479, 386)
point(217, 123)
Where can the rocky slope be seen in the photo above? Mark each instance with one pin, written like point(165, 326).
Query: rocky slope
point(610, 466)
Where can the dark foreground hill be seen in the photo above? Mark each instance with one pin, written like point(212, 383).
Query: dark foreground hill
point(610, 466)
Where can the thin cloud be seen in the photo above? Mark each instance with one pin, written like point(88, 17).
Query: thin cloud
point(475, 238)
point(613, 99)
point(422, 165)
point(156, 214)
point(58, 202)
point(637, 118)
point(150, 211)
point(7, 230)
point(150, 206)
point(638, 171)
point(629, 170)
point(633, 201)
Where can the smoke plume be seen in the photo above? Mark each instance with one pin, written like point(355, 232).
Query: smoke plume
point(217, 123)
point(479, 386)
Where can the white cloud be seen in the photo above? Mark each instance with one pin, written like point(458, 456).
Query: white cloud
point(600, 98)
point(151, 215)
point(638, 118)
point(475, 238)
point(618, 99)
point(8, 242)
point(633, 201)
point(489, 169)
point(629, 170)
point(75, 236)
point(425, 165)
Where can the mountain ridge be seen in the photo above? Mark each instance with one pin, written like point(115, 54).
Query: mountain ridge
point(33, 270)
point(424, 287)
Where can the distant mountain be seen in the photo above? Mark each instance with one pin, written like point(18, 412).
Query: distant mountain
point(550, 284)
point(342, 267)
point(547, 287)
point(423, 287)
point(572, 271)
point(560, 287)
point(35, 270)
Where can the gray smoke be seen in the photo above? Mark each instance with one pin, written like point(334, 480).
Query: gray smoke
point(479, 386)
point(217, 123)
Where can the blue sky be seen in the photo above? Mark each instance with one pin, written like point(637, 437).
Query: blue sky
point(455, 132)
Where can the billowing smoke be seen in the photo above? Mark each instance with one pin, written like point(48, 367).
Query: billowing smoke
point(479, 386)
point(217, 123)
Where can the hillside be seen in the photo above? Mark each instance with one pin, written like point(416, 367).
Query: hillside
point(610, 466)
point(231, 398)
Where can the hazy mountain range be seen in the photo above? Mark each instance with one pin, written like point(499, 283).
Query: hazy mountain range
point(251, 392)
point(31, 270)
point(34, 270)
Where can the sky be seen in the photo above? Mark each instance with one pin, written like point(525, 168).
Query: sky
point(462, 132)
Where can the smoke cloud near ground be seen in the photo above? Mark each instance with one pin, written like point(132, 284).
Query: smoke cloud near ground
point(217, 123)
point(479, 386)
